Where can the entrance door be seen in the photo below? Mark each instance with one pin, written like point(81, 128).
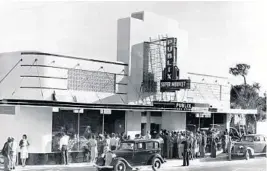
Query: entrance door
point(155, 127)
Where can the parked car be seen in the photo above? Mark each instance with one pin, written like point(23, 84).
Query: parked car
point(249, 146)
point(130, 154)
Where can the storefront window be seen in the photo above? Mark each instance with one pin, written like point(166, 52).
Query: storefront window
point(79, 126)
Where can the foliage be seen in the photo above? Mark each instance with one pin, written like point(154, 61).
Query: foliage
point(240, 70)
point(246, 96)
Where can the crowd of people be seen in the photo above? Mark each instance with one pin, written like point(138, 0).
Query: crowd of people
point(10, 151)
point(184, 145)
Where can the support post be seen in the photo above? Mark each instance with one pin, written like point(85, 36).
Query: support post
point(103, 124)
point(78, 136)
point(212, 120)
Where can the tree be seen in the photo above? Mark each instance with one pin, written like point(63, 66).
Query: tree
point(240, 70)
point(246, 96)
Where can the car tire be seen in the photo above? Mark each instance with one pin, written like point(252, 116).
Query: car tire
point(156, 164)
point(247, 155)
point(120, 166)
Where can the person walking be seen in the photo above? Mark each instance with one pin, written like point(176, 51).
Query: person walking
point(6, 153)
point(186, 151)
point(24, 144)
point(13, 154)
point(63, 144)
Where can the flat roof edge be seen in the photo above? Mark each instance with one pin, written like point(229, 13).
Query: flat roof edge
point(71, 57)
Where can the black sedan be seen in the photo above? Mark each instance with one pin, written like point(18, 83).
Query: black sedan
point(130, 154)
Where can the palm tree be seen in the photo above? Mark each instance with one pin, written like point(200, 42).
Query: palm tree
point(240, 70)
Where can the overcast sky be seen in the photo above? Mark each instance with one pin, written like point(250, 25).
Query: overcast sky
point(220, 34)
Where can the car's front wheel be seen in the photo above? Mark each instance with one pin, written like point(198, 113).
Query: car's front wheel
point(120, 166)
point(156, 164)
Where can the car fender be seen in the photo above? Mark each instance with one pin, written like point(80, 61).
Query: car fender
point(123, 160)
point(153, 157)
point(250, 149)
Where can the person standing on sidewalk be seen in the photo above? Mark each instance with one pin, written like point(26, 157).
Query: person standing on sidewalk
point(93, 148)
point(24, 144)
point(213, 146)
point(186, 151)
point(6, 153)
point(179, 145)
point(13, 154)
point(113, 142)
point(203, 144)
point(64, 142)
point(229, 148)
point(175, 146)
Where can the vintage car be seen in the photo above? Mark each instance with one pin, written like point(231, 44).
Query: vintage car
point(130, 154)
point(250, 146)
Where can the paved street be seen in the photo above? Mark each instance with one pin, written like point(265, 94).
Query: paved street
point(258, 164)
point(238, 165)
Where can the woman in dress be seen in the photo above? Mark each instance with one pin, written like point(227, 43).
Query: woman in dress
point(93, 148)
point(24, 144)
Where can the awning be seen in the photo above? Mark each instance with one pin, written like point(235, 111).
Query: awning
point(124, 107)
point(76, 105)
point(242, 111)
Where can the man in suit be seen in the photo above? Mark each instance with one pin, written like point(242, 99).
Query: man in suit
point(203, 144)
point(187, 147)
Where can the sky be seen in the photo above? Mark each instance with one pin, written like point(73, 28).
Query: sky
point(220, 34)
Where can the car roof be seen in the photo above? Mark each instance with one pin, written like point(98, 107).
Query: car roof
point(140, 140)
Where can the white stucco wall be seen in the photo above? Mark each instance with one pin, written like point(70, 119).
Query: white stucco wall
point(13, 82)
point(132, 33)
point(133, 123)
point(35, 122)
point(173, 120)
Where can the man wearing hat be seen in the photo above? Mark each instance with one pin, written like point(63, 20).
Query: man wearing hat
point(6, 153)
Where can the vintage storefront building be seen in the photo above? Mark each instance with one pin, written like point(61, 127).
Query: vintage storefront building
point(147, 88)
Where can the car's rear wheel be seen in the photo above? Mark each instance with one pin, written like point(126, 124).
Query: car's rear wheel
point(120, 166)
point(156, 164)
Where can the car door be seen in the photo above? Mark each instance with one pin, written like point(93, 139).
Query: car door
point(259, 144)
point(140, 154)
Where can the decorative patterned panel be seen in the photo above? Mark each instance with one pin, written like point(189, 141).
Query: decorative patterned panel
point(96, 81)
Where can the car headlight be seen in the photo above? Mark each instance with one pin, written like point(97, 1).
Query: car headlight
point(241, 147)
point(114, 155)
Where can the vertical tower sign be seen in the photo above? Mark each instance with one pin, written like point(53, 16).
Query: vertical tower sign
point(171, 49)
point(170, 77)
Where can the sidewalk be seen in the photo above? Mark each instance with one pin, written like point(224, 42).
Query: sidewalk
point(170, 163)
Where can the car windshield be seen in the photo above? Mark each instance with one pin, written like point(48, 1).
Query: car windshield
point(126, 146)
point(248, 138)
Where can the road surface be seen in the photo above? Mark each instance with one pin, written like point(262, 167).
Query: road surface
point(258, 164)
